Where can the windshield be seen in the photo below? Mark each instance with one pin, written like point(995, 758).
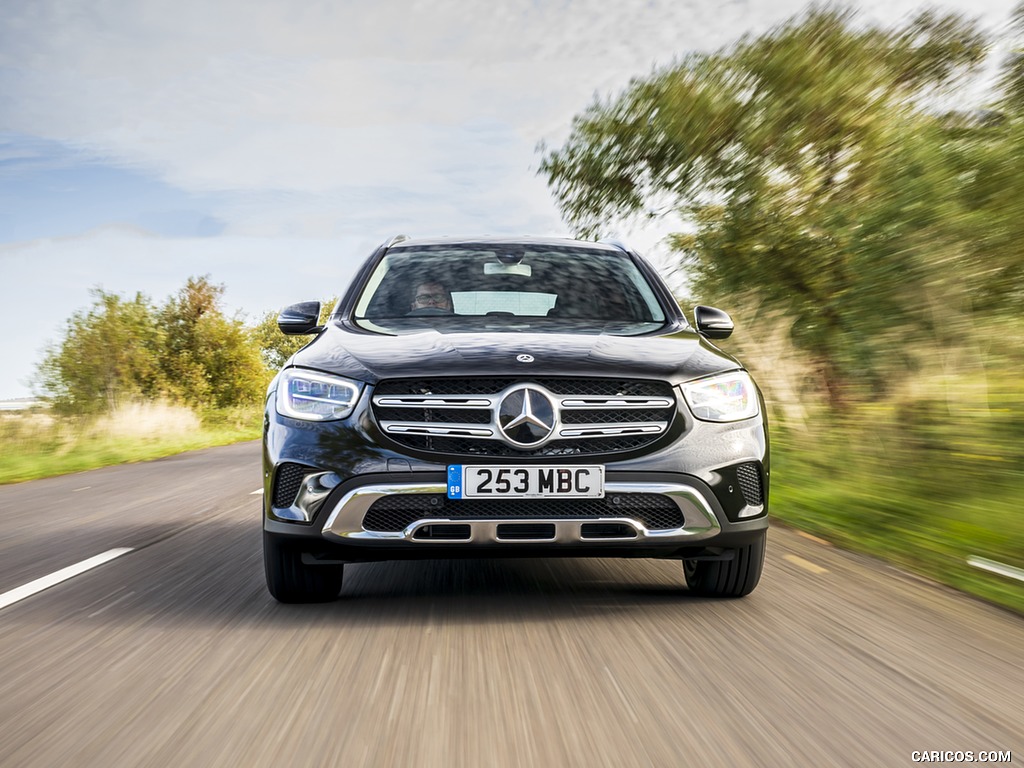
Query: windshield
point(515, 288)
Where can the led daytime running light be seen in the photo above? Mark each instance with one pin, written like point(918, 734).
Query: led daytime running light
point(727, 397)
point(312, 396)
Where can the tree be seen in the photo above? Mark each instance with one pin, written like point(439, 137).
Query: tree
point(991, 184)
point(207, 358)
point(810, 169)
point(109, 354)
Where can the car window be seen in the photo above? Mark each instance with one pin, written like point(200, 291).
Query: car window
point(540, 289)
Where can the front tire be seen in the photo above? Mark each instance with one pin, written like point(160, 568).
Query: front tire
point(727, 578)
point(290, 580)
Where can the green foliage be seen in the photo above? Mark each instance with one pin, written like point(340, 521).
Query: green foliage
point(110, 353)
point(120, 351)
point(813, 176)
point(1011, 77)
point(991, 188)
point(187, 351)
point(796, 111)
point(208, 358)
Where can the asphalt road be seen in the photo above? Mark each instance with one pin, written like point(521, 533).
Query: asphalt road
point(175, 655)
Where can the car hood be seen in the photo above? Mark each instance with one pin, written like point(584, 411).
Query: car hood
point(373, 357)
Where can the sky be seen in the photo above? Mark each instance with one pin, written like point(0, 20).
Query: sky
point(272, 144)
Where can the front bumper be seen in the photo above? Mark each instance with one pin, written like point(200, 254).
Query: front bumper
point(344, 521)
point(337, 530)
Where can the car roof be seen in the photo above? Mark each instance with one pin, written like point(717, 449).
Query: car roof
point(492, 240)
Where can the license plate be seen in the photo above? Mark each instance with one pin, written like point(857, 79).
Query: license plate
point(489, 482)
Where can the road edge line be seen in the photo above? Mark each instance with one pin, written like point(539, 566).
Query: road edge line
point(45, 582)
point(993, 567)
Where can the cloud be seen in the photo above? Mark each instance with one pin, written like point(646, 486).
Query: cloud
point(244, 95)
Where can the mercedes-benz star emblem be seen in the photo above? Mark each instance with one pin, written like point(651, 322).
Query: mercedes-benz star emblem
point(524, 358)
point(526, 416)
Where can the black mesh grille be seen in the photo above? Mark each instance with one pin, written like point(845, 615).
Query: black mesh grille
point(442, 386)
point(287, 483)
point(395, 513)
point(435, 415)
point(614, 416)
point(585, 387)
point(750, 483)
point(491, 386)
point(585, 447)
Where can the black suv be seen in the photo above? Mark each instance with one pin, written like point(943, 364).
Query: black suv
point(511, 397)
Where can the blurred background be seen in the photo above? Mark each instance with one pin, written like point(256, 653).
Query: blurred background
point(852, 193)
point(847, 182)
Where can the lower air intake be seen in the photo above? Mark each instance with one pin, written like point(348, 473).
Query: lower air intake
point(287, 482)
point(607, 531)
point(749, 476)
point(526, 531)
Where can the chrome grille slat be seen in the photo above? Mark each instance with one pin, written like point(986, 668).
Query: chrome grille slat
point(459, 430)
point(618, 402)
point(428, 401)
point(599, 430)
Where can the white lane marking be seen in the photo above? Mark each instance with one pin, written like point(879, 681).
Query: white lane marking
point(86, 488)
point(255, 493)
point(27, 590)
point(807, 565)
point(1001, 568)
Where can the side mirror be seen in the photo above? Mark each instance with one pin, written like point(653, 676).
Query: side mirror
point(712, 322)
point(300, 319)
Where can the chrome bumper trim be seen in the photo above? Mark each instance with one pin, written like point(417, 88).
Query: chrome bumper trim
point(345, 521)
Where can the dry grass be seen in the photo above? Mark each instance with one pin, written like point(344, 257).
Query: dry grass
point(39, 444)
point(146, 421)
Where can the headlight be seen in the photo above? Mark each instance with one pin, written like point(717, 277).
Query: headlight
point(726, 397)
point(314, 396)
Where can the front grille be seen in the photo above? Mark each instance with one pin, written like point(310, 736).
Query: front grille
point(395, 513)
point(750, 483)
point(287, 482)
point(593, 416)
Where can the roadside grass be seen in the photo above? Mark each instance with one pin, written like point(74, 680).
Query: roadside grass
point(37, 444)
point(923, 473)
point(921, 484)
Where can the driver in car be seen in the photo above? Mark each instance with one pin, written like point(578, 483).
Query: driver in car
point(431, 296)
